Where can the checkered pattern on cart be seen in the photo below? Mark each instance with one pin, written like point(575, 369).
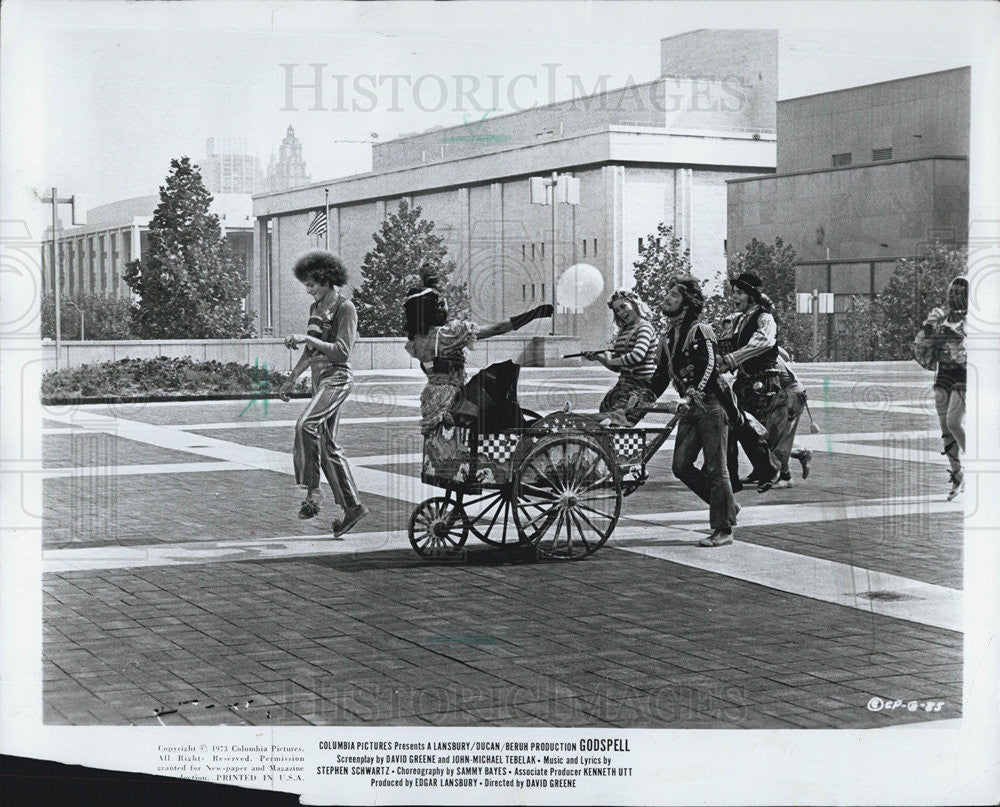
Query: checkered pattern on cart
point(628, 446)
point(497, 447)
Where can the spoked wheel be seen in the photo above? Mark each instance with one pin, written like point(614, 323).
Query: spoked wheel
point(437, 528)
point(567, 496)
point(488, 517)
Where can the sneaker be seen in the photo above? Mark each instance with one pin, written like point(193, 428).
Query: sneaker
point(785, 483)
point(764, 487)
point(717, 538)
point(957, 484)
point(805, 458)
point(351, 517)
point(309, 509)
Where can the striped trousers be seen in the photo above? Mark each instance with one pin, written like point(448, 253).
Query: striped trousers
point(316, 440)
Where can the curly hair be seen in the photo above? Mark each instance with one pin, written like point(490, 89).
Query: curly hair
point(423, 309)
point(690, 289)
point(321, 267)
point(637, 303)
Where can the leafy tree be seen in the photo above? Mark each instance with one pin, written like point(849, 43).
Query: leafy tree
point(774, 264)
point(405, 245)
point(188, 283)
point(105, 316)
point(663, 257)
point(917, 285)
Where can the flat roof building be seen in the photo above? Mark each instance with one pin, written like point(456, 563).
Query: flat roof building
point(865, 176)
point(658, 151)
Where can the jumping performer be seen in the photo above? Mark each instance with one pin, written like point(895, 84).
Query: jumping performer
point(687, 358)
point(633, 353)
point(441, 347)
point(946, 328)
point(751, 340)
point(333, 326)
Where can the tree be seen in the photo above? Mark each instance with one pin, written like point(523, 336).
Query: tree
point(917, 285)
point(188, 283)
point(774, 264)
point(662, 258)
point(405, 245)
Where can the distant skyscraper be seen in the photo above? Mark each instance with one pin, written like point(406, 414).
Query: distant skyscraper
point(230, 169)
point(289, 170)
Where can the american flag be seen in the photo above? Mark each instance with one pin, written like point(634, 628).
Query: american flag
point(318, 226)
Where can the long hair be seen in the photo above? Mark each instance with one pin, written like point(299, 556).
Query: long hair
point(958, 294)
point(424, 309)
point(694, 297)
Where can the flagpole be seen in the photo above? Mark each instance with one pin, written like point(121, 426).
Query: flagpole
point(326, 214)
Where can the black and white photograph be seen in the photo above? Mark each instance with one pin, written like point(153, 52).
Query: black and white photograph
point(541, 403)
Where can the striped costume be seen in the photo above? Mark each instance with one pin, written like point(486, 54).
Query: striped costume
point(637, 347)
point(334, 321)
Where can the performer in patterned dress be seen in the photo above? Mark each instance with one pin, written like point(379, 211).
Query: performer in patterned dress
point(441, 348)
point(632, 355)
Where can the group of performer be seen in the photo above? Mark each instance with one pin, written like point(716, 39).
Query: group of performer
point(759, 410)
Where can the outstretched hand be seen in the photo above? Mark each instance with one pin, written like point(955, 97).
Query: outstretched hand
point(539, 312)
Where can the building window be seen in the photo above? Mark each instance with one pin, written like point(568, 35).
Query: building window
point(532, 251)
point(543, 249)
point(532, 291)
point(595, 246)
point(640, 245)
point(524, 292)
point(543, 291)
point(882, 154)
point(524, 252)
point(584, 247)
point(842, 159)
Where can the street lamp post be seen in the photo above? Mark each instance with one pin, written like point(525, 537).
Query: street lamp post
point(548, 192)
point(80, 312)
point(55, 201)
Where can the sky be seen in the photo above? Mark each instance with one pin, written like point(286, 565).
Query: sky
point(98, 97)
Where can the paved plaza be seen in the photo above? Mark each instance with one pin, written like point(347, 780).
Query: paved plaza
point(181, 588)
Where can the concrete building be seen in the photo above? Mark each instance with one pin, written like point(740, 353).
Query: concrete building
point(289, 169)
point(865, 176)
point(226, 167)
point(93, 256)
point(659, 151)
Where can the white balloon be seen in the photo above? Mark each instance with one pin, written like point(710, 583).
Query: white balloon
point(579, 286)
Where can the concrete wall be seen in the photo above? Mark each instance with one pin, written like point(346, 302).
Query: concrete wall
point(901, 204)
point(743, 58)
point(919, 116)
point(368, 354)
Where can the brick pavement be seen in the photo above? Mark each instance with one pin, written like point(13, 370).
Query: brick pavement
point(384, 637)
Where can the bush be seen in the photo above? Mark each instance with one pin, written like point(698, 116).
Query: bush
point(162, 376)
point(104, 316)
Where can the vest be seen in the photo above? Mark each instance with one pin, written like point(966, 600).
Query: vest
point(766, 362)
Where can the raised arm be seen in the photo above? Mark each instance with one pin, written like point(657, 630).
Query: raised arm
point(514, 323)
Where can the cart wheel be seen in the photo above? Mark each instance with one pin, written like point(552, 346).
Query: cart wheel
point(567, 496)
point(437, 528)
point(488, 517)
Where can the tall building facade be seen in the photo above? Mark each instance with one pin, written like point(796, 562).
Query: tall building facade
point(659, 151)
point(865, 176)
point(228, 168)
point(289, 170)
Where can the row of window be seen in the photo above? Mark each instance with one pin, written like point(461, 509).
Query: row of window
point(540, 252)
point(82, 257)
point(525, 287)
point(847, 157)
